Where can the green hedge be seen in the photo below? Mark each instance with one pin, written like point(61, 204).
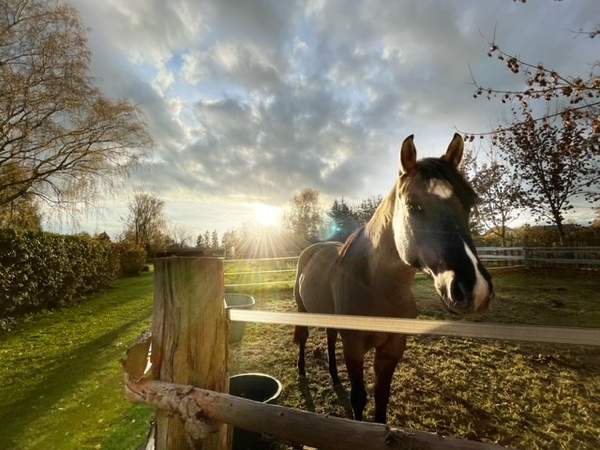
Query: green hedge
point(132, 258)
point(43, 270)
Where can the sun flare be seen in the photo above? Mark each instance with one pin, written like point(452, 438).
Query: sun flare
point(267, 215)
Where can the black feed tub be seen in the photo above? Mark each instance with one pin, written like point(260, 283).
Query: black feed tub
point(258, 387)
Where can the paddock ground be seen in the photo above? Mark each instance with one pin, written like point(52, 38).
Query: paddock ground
point(61, 382)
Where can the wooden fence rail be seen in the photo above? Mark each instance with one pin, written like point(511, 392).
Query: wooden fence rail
point(288, 424)
point(557, 335)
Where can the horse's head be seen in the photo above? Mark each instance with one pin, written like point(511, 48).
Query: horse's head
point(430, 225)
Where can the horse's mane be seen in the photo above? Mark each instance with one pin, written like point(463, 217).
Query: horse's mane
point(382, 217)
point(375, 227)
point(348, 242)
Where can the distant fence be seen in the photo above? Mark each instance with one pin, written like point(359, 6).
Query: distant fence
point(575, 257)
point(493, 257)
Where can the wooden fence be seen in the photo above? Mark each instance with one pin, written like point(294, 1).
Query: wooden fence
point(180, 368)
point(574, 257)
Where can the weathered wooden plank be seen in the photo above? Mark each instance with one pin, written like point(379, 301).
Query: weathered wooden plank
point(260, 272)
point(323, 432)
point(581, 261)
point(558, 335)
point(279, 258)
point(189, 340)
point(501, 257)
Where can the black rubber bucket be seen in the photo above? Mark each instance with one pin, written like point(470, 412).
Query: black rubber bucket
point(258, 387)
point(239, 301)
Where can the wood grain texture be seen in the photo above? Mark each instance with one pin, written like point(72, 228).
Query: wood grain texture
point(558, 335)
point(189, 340)
point(323, 432)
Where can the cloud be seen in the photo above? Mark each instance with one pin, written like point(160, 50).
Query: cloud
point(236, 63)
point(256, 99)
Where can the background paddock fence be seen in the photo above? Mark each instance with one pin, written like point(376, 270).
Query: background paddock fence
point(185, 376)
point(574, 257)
point(495, 258)
point(290, 281)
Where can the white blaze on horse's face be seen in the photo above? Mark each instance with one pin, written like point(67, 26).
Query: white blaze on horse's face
point(440, 188)
point(482, 290)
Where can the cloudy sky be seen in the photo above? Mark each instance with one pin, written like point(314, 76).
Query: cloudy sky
point(250, 101)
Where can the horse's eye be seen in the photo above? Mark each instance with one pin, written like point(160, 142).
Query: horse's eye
point(415, 208)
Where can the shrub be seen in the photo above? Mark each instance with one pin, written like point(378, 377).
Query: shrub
point(132, 257)
point(43, 270)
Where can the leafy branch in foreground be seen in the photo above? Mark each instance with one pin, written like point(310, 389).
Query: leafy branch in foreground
point(577, 97)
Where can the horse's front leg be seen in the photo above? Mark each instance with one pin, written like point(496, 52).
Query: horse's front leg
point(354, 355)
point(386, 360)
point(331, 340)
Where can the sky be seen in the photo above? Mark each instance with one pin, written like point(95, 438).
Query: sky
point(248, 102)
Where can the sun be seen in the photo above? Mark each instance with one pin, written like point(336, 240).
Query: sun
point(267, 215)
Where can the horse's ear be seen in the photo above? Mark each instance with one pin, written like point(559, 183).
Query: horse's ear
point(454, 153)
point(408, 155)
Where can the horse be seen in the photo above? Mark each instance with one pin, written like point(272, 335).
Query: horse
point(422, 224)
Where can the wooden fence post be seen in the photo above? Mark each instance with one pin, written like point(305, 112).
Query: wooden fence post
point(526, 255)
point(189, 341)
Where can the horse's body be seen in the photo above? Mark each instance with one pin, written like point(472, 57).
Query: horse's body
point(372, 272)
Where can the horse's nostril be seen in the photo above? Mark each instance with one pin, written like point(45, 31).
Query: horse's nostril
point(459, 294)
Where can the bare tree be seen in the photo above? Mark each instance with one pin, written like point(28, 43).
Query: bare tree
point(575, 98)
point(596, 221)
point(23, 212)
point(180, 235)
point(304, 216)
point(469, 168)
point(57, 130)
point(146, 222)
point(499, 197)
point(557, 161)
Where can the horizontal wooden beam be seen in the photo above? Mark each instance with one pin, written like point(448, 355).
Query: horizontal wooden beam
point(195, 405)
point(259, 272)
point(582, 261)
point(259, 283)
point(557, 335)
point(251, 260)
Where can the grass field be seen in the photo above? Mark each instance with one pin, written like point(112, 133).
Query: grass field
point(61, 382)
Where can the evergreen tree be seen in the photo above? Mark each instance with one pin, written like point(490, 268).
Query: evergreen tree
point(344, 220)
point(200, 241)
point(214, 243)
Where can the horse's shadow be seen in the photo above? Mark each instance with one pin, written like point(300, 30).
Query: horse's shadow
point(343, 399)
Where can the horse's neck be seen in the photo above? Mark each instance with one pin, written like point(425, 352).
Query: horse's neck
point(385, 266)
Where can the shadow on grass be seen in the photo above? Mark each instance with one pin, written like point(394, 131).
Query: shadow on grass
point(343, 399)
point(124, 291)
point(20, 414)
point(304, 389)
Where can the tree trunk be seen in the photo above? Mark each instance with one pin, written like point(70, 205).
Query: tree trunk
point(561, 231)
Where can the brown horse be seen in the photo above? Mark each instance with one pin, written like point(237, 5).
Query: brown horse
point(422, 224)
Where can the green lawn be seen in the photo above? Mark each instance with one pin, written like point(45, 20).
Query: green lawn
point(61, 381)
point(60, 377)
